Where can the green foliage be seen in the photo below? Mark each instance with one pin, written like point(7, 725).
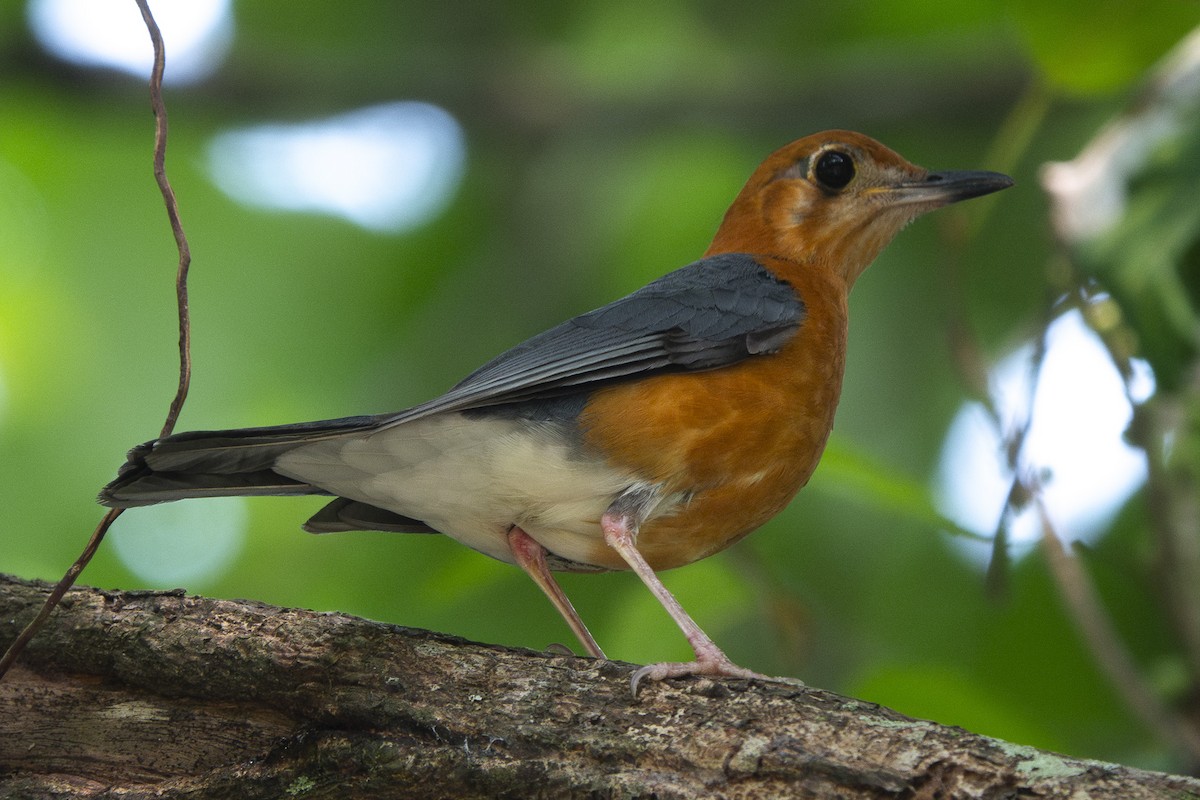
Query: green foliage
point(1150, 259)
point(1103, 47)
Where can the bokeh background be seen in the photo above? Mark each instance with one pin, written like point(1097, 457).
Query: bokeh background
point(379, 197)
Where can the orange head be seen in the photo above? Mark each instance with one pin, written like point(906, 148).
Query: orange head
point(836, 199)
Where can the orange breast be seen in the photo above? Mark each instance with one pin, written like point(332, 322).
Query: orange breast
point(740, 441)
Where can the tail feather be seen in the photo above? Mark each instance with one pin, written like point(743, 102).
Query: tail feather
point(219, 463)
point(344, 514)
point(146, 487)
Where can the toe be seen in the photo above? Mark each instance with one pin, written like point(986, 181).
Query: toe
point(721, 668)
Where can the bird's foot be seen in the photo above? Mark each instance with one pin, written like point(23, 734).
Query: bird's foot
point(716, 666)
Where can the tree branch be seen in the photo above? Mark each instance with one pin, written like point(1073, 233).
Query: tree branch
point(139, 694)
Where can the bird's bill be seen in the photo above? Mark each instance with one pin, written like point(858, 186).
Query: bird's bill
point(942, 188)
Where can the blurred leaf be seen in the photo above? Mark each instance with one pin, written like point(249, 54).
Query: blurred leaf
point(854, 472)
point(1101, 46)
point(1147, 259)
point(932, 691)
point(651, 231)
point(669, 49)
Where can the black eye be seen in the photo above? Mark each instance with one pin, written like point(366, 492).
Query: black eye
point(834, 169)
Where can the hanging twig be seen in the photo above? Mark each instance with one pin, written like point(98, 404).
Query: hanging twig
point(181, 242)
point(1087, 611)
point(185, 358)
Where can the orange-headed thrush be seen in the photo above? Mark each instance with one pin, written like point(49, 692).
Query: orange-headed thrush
point(647, 434)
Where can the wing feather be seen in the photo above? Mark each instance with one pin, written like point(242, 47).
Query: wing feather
point(713, 312)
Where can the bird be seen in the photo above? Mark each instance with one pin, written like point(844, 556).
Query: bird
point(650, 433)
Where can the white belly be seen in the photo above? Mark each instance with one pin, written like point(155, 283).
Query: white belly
point(471, 478)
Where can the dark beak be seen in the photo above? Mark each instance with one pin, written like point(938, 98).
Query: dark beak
point(943, 188)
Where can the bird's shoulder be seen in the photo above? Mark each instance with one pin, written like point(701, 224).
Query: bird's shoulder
point(712, 311)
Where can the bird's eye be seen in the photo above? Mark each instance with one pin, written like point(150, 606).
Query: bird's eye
point(834, 169)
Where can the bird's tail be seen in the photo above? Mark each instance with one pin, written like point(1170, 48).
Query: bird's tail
point(219, 463)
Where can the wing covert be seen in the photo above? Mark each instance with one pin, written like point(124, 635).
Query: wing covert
point(710, 313)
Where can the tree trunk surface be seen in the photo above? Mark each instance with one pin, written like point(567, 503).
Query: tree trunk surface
point(158, 694)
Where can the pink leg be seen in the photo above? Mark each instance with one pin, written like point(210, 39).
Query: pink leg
point(620, 531)
point(531, 557)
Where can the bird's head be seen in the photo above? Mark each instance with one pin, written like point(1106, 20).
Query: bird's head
point(836, 199)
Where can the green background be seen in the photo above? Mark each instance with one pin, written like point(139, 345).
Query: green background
point(604, 142)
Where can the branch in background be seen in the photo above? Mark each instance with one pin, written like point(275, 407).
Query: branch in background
point(185, 338)
point(1085, 607)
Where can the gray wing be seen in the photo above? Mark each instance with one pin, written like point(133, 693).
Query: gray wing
point(713, 312)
